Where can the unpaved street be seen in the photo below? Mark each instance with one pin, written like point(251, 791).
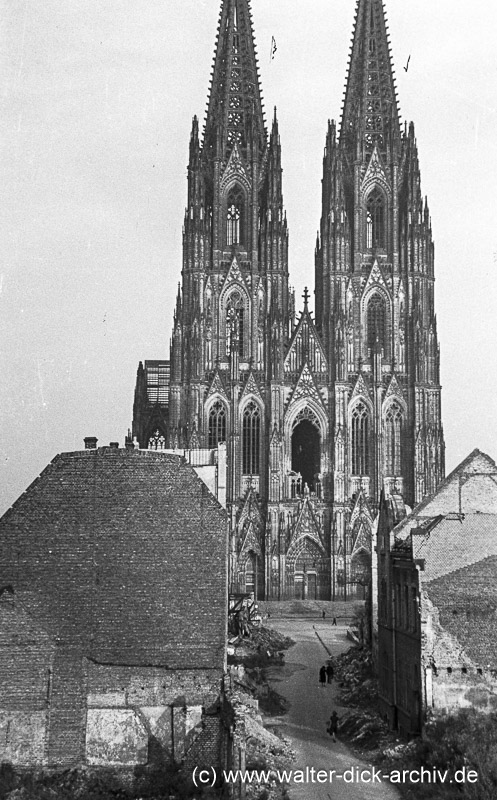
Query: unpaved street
point(311, 705)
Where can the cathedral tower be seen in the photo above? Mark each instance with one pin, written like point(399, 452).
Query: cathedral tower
point(234, 312)
point(375, 298)
point(317, 416)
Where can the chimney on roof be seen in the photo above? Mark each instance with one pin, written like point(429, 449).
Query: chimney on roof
point(91, 442)
point(114, 445)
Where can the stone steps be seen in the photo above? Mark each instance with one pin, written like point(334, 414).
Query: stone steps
point(310, 608)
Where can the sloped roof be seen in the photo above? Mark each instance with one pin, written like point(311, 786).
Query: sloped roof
point(467, 604)
point(122, 553)
point(476, 468)
point(454, 542)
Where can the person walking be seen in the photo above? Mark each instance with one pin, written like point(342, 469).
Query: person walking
point(329, 673)
point(333, 725)
point(322, 676)
point(334, 621)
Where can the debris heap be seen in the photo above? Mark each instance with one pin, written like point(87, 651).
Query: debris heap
point(363, 726)
point(249, 693)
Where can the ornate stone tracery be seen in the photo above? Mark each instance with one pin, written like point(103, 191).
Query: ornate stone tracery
point(314, 412)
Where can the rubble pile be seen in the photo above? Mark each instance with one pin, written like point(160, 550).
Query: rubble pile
point(262, 648)
point(264, 750)
point(399, 751)
point(249, 694)
point(362, 726)
point(365, 729)
point(271, 640)
point(354, 675)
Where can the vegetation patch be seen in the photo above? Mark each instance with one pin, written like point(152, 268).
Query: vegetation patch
point(451, 745)
point(143, 783)
point(466, 741)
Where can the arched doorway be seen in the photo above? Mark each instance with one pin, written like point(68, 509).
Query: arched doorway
point(306, 452)
point(308, 570)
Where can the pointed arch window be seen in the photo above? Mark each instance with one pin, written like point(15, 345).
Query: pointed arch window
point(217, 424)
point(235, 319)
point(376, 322)
point(375, 220)
point(393, 431)
point(251, 439)
point(360, 440)
point(234, 216)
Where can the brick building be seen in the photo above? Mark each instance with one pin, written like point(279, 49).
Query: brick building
point(437, 598)
point(113, 613)
point(319, 414)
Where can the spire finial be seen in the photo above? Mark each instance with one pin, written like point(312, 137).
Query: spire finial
point(306, 298)
point(235, 113)
point(370, 110)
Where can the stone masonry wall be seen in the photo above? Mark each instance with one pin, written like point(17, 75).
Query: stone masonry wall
point(134, 713)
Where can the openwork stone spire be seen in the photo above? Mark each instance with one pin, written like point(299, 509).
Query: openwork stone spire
point(234, 111)
point(370, 114)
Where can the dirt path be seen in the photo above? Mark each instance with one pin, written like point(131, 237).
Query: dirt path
point(310, 708)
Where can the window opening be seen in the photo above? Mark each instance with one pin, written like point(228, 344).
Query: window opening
point(415, 611)
point(360, 440)
point(217, 424)
point(251, 434)
point(306, 455)
point(235, 322)
point(157, 381)
point(376, 322)
point(234, 215)
point(375, 218)
point(393, 426)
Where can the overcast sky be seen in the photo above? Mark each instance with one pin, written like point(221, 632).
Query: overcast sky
point(98, 100)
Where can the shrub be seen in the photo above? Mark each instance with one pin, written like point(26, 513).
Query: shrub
point(467, 739)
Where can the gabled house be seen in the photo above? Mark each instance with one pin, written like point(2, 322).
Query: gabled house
point(437, 598)
point(113, 613)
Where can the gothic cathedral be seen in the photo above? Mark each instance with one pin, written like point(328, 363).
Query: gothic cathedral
point(318, 415)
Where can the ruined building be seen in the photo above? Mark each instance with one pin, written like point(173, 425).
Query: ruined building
point(112, 626)
point(437, 599)
point(319, 415)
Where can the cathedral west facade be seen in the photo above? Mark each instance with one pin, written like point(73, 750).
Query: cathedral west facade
point(319, 414)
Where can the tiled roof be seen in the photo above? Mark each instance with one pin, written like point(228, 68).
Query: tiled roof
point(467, 604)
point(455, 542)
point(477, 467)
point(124, 554)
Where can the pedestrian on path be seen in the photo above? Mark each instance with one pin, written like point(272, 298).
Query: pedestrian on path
point(323, 614)
point(322, 676)
point(329, 673)
point(334, 621)
point(333, 725)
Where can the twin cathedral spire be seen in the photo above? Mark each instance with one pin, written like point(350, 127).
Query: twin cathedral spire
point(318, 416)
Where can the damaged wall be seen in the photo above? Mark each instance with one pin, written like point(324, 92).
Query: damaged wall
point(130, 711)
point(448, 547)
point(113, 613)
point(26, 658)
point(454, 675)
